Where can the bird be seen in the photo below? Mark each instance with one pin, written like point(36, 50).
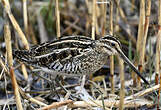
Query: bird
point(79, 55)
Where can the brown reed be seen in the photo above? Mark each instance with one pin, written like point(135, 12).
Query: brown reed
point(93, 18)
point(111, 57)
point(7, 36)
point(122, 80)
point(140, 35)
point(57, 18)
point(158, 48)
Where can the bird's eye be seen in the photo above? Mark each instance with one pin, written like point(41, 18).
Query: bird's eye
point(113, 44)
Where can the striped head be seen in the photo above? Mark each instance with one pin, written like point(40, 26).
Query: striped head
point(111, 45)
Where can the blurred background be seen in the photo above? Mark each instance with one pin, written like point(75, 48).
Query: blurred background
point(136, 23)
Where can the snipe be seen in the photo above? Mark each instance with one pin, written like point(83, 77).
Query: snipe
point(73, 55)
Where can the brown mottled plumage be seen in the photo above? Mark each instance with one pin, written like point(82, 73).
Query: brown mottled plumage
point(73, 55)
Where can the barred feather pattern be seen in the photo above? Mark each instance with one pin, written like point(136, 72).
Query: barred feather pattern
point(73, 55)
point(70, 55)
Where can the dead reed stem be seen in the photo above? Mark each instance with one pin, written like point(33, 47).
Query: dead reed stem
point(7, 36)
point(116, 25)
point(108, 103)
point(158, 41)
point(143, 92)
point(25, 19)
point(121, 11)
point(32, 34)
point(57, 18)
point(18, 29)
point(140, 35)
point(56, 105)
point(147, 16)
point(122, 15)
point(156, 78)
point(15, 24)
point(141, 27)
point(111, 18)
point(142, 43)
point(31, 99)
point(73, 25)
point(3, 67)
point(111, 57)
point(132, 5)
point(42, 30)
point(157, 69)
point(104, 8)
point(97, 13)
point(24, 71)
point(93, 18)
point(122, 91)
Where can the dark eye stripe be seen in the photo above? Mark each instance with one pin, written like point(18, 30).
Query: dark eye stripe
point(108, 48)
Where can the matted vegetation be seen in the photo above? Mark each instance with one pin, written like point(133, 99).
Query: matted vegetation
point(136, 23)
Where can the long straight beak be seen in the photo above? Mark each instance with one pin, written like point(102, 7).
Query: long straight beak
point(132, 66)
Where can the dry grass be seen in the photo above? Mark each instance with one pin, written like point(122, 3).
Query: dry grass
point(57, 18)
point(111, 57)
point(44, 20)
point(140, 37)
point(158, 48)
point(122, 80)
point(93, 19)
point(7, 36)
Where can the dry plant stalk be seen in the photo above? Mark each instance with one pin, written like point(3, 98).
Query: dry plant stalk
point(57, 18)
point(108, 103)
point(157, 69)
point(42, 30)
point(93, 18)
point(122, 80)
point(98, 104)
point(116, 25)
point(111, 57)
point(156, 78)
point(7, 36)
point(3, 67)
point(88, 18)
point(140, 68)
point(143, 92)
point(24, 71)
point(142, 41)
point(32, 34)
point(104, 8)
point(132, 5)
point(15, 24)
point(121, 12)
point(29, 98)
point(73, 25)
point(56, 105)
point(133, 75)
point(18, 29)
point(111, 18)
point(97, 13)
point(140, 35)
point(25, 19)
point(147, 16)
